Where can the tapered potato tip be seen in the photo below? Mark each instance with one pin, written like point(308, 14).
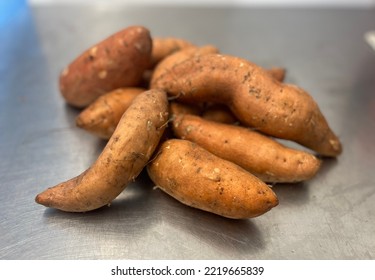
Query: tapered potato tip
point(270, 198)
point(55, 196)
point(48, 197)
point(335, 146)
point(277, 73)
point(40, 199)
point(43, 199)
point(274, 200)
point(80, 122)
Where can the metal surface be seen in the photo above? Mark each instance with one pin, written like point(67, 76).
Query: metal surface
point(328, 217)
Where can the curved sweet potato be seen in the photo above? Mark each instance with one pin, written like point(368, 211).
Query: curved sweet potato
point(123, 158)
point(257, 100)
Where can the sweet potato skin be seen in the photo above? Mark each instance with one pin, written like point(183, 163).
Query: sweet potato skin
point(123, 158)
point(202, 180)
point(219, 113)
point(256, 99)
point(163, 47)
point(164, 66)
point(176, 108)
point(102, 116)
point(118, 61)
point(278, 73)
point(262, 156)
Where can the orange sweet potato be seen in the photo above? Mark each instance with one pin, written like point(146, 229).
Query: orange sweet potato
point(123, 158)
point(257, 100)
point(103, 115)
point(260, 155)
point(164, 66)
point(199, 179)
point(218, 113)
point(163, 47)
point(277, 73)
point(118, 61)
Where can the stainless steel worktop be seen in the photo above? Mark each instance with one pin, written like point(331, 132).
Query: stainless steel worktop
point(331, 216)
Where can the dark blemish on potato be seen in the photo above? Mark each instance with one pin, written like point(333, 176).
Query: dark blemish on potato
point(255, 91)
point(246, 77)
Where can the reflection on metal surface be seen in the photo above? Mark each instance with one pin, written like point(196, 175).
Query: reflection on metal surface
point(370, 39)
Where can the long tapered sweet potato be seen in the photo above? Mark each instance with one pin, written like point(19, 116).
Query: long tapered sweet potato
point(118, 61)
point(260, 155)
point(197, 178)
point(180, 55)
point(256, 99)
point(123, 158)
point(102, 116)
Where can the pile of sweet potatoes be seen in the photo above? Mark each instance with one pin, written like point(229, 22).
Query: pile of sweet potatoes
point(204, 125)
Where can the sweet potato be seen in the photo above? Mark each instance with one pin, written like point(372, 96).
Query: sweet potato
point(257, 100)
point(102, 116)
point(218, 113)
point(260, 155)
point(118, 61)
point(123, 158)
point(199, 179)
point(277, 73)
point(163, 47)
point(212, 112)
point(176, 108)
point(170, 61)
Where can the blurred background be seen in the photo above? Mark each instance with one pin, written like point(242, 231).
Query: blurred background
point(348, 3)
point(227, 2)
